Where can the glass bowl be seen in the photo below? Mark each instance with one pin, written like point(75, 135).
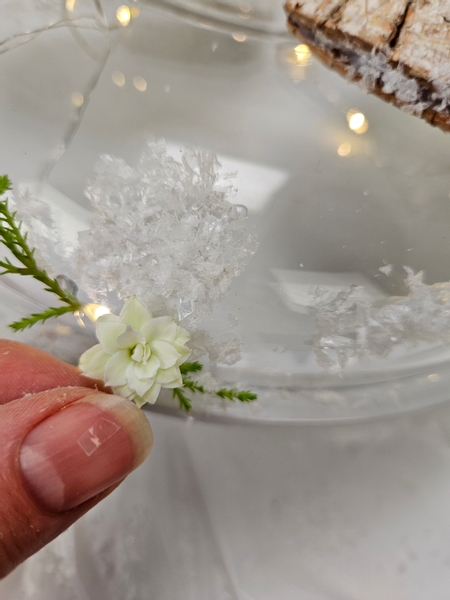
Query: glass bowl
point(340, 204)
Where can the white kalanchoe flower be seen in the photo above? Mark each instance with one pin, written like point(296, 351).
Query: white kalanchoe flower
point(137, 354)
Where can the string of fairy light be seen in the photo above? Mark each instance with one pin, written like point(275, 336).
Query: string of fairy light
point(297, 58)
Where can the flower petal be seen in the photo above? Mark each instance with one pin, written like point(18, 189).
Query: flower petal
point(129, 338)
point(184, 353)
point(151, 396)
point(139, 401)
point(135, 313)
point(141, 386)
point(138, 353)
point(116, 368)
point(182, 336)
point(161, 328)
point(92, 362)
point(124, 391)
point(108, 332)
point(149, 369)
point(169, 378)
point(108, 317)
point(166, 353)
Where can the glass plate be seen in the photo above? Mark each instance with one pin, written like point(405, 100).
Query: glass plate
point(331, 205)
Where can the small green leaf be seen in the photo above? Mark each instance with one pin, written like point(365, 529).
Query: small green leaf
point(194, 387)
point(184, 402)
point(5, 184)
point(12, 237)
point(40, 317)
point(246, 396)
point(190, 367)
point(224, 393)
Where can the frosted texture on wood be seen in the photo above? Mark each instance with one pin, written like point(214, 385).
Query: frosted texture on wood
point(396, 49)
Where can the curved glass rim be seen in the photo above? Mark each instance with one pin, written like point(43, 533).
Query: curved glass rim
point(205, 20)
point(225, 419)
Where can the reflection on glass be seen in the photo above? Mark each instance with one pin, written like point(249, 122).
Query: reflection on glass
point(140, 84)
point(434, 377)
point(118, 78)
point(135, 11)
point(298, 289)
point(239, 37)
point(295, 60)
point(344, 149)
point(77, 99)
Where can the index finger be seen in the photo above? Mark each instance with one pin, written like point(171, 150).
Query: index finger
point(27, 370)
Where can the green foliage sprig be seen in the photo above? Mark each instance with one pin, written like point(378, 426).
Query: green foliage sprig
point(12, 237)
point(191, 385)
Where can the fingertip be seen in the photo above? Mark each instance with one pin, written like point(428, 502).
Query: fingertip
point(61, 452)
point(83, 449)
point(27, 370)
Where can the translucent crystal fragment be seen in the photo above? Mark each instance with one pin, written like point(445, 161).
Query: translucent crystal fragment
point(185, 308)
point(238, 212)
point(67, 284)
point(350, 327)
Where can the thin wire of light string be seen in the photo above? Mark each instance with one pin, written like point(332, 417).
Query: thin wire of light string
point(76, 25)
point(89, 89)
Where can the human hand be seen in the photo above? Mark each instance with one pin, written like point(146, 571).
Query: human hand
point(64, 446)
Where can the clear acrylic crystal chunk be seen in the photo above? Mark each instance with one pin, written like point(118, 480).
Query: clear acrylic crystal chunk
point(185, 308)
point(67, 284)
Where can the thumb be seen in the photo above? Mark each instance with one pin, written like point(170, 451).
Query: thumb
point(61, 451)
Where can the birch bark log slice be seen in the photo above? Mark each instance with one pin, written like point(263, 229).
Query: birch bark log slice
point(396, 49)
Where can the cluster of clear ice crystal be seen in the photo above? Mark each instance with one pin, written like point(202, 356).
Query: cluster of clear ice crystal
point(163, 230)
point(350, 327)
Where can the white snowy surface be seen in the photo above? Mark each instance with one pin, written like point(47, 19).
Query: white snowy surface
point(356, 511)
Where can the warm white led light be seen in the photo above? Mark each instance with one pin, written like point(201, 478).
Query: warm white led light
point(123, 15)
point(357, 121)
point(302, 54)
point(77, 99)
point(95, 311)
